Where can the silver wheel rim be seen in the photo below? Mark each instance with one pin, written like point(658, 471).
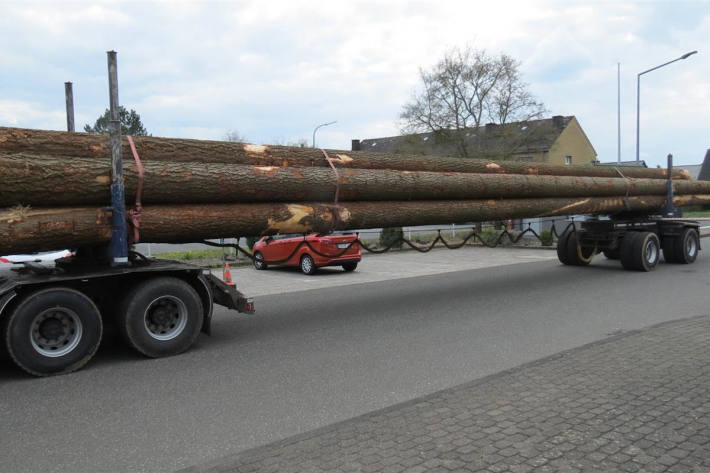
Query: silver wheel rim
point(165, 318)
point(651, 252)
point(691, 246)
point(258, 260)
point(307, 264)
point(55, 332)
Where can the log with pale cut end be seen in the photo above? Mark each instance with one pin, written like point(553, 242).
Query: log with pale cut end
point(54, 181)
point(43, 142)
point(26, 230)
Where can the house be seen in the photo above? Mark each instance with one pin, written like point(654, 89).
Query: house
point(555, 140)
point(704, 171)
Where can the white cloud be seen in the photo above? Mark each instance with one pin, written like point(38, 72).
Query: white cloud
point(273, 70)
point(19, 114)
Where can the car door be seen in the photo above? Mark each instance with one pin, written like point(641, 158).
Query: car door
point(288, 249)
point(280, 248)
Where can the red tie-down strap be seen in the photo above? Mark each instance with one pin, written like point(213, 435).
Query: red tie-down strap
point(336, 207)
point(134, 215)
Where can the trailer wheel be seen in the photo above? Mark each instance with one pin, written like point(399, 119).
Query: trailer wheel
point(259, 262)
point(686, 246)
point(578, 255)
point(161, 316)
point(53, 331)
point(562, 244)
point(308, 266)
point(627, 250)
point(641, 252)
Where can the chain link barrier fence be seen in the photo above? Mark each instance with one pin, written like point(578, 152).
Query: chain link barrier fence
point(472, 236)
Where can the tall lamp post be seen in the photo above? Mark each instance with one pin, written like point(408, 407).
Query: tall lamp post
point(638, 94)
point(316, 129)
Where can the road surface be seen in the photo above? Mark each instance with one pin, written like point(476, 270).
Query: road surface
point(314, 357)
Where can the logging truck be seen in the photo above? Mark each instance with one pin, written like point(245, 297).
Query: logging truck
point(52, 316)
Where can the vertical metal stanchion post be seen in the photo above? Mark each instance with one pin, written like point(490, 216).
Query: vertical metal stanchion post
point(69, 98)
point(670, 208)
point(119, 244)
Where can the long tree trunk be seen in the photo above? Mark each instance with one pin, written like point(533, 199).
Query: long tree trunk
point(19, 140)
point(53, 181)
point(25, 230)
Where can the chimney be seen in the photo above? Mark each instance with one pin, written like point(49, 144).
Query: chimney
point(558, 121)
point(355, 146)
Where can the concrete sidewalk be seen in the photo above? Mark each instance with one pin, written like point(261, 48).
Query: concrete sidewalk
point(634, 402)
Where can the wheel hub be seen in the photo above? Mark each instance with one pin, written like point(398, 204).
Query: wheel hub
point(165, 318)
point(55, 332)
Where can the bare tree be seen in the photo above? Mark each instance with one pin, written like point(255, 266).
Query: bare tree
point(235, 136)
point(466, 90)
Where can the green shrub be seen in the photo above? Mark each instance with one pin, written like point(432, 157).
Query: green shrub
point(546, 238)
point(391, 236)
point(489, 236)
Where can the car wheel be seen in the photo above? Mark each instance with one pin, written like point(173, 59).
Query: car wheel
point(259, 262)
point(161, 316)
point(53, 331)
point(308, 266)
point(350, 266)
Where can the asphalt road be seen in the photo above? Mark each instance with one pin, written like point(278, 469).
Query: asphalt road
point(314, 357)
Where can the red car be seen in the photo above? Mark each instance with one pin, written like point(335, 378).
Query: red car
point(291, 250)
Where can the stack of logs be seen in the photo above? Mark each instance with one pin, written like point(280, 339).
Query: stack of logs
point(54, 189)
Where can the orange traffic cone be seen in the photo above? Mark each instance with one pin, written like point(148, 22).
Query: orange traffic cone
point(227, 275)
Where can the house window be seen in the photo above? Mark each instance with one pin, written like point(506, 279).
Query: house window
point(568, 159)
point(525, 159)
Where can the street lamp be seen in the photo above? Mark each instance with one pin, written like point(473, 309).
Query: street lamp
point(316, 129)
point(638, 94)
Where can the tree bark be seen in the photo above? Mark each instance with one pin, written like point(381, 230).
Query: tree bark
point(27, 230)
point(43, 142)
point(55, 181)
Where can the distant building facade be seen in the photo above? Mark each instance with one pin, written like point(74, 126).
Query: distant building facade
point(555, 140)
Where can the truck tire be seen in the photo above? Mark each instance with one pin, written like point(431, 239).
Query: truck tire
point(627, 250)
point(53, 331)
point(161, 316)
point(643, 253)
point(562, 244)
point(686, 246)
point(578, 255)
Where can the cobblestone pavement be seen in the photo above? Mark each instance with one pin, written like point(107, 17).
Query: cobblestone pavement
point(637, 402)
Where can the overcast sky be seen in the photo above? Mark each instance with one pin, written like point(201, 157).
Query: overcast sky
point(272, 70)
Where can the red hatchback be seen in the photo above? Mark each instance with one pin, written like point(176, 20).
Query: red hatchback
point(317, 250)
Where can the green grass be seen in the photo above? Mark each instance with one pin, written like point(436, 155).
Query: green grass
point(193, 254)
point(696, 214)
